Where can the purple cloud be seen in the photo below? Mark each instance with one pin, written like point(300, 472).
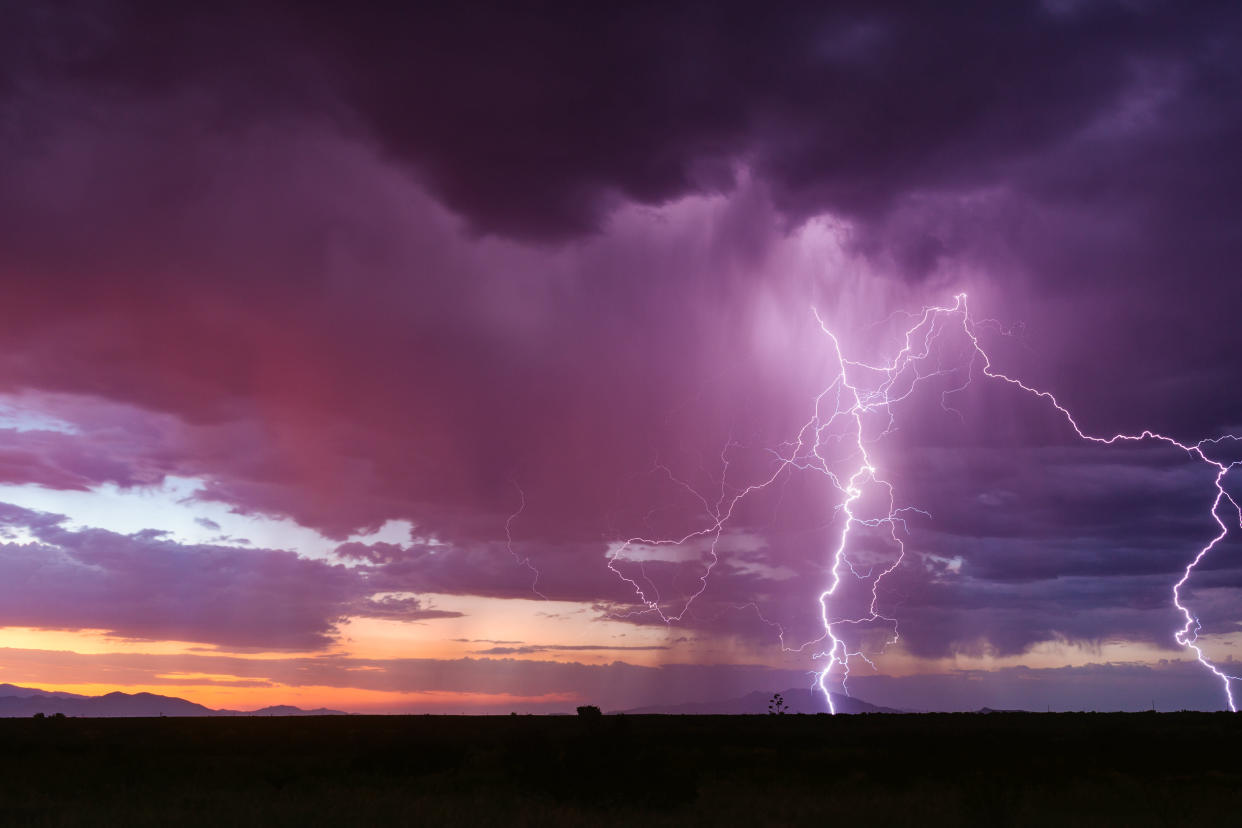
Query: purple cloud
point(147, 586)
point(241, 246)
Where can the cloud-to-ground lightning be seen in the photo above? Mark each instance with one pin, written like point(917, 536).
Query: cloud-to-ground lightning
point(848, 417)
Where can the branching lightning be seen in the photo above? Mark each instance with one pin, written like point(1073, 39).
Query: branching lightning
point(848, 418)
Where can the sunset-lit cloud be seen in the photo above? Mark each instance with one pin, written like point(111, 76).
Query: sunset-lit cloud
point(321, 384)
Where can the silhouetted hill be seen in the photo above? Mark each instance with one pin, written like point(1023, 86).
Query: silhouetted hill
point(797, 700)
point(110, 705)
point(288, 710)
point(24, 692)
point(27, 701)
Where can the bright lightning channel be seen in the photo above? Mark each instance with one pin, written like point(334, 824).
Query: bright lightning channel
point(848, 402)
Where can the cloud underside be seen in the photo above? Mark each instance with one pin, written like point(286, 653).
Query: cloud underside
point(353, 268)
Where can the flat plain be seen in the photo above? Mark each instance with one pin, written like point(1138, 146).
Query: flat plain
point(993, 769)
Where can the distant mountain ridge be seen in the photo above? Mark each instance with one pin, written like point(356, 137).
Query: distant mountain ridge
point(24, 692)
point(27, 701)
point(18, 702)
point(797, 700)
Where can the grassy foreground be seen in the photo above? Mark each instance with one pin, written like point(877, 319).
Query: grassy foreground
point(947, 769)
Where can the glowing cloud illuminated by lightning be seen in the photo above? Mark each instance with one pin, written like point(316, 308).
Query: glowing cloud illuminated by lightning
point(848, 417)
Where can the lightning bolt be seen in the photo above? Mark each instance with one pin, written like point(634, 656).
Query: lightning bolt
point(522, 560)
point(1187, 636)
point(849, 416)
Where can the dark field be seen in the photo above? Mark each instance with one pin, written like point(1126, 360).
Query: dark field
point(950, 769)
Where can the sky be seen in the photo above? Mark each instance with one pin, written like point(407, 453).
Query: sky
point(343, 349)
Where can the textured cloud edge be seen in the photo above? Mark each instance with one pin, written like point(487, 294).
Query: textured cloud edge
point(242, 249)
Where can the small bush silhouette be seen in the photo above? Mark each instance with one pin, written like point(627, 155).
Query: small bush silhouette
point(39, 716)
point(588, 711)
point(777, 706)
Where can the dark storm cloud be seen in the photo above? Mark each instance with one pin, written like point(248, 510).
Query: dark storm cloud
point(229, 222)
point(1022, 546)
point(1076, 544)
point(533, 119)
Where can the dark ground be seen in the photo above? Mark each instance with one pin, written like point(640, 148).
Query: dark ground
point(948, 769)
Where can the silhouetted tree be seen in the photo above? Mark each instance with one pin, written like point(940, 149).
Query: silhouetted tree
point(777, 706)
point(588, 711)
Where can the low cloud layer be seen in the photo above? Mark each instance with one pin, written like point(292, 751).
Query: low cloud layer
point(533, 279)
point(148, 586)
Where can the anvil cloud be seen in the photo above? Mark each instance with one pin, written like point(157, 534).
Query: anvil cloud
point(374, 277)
